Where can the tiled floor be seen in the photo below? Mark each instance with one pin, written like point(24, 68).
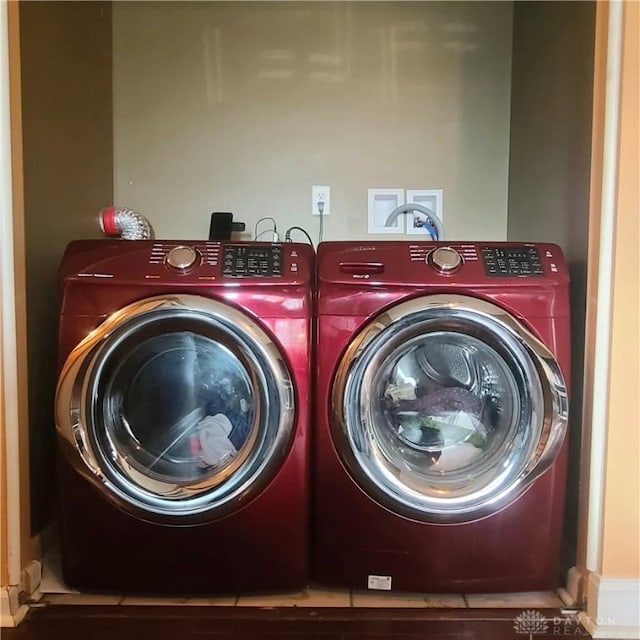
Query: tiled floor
point(318, 597)
point(56, 592)
point(406, 600)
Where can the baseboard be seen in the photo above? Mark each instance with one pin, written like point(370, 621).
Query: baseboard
point(12, 612)
point(610, 632)
point(15, 600)
point(574, 591)
point(612, 608)
point(31, 580)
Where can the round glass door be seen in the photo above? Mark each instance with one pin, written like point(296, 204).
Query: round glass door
point(445, 408)
point(177, 407)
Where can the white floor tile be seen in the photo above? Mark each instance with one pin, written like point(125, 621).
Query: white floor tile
point(212, 601)
point(444, 601)
point(532, 599)
point(408, 600)
point(306, 598)
point(82, 598)
point(159, 601)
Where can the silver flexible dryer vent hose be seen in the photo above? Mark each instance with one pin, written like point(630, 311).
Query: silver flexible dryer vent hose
point(126, 223)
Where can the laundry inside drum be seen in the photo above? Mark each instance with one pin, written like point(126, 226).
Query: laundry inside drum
point(179, 407)
point(446, 398)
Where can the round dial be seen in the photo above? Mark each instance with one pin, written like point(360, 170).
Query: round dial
point(182, 258)
point(445, 259)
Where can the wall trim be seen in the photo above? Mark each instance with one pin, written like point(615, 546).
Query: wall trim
point(600, 384)
point(31, 580)
point(12, 612)
point(9, 377)
point(610, 632)
point(572, 594)
point(15, 600)
point(612, 607)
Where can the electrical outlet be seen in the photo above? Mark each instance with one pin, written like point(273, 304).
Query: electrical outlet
point(321, 200)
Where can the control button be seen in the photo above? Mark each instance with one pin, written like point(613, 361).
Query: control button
point(445, 259)
point(182, 258)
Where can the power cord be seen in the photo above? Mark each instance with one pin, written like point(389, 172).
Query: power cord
point(287, 235)
point(273, 230)
point(274, 235)
point(320, 204)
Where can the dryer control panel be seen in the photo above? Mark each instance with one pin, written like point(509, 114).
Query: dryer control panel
point(250, 261)
point(231, 260)
point(189, 263)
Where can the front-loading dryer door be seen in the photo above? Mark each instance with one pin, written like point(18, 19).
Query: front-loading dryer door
point(445, 408)
point(179, 408)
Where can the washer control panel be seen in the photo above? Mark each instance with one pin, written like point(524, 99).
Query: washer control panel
point(242, 261)
point(211, 261)
point(512, 261)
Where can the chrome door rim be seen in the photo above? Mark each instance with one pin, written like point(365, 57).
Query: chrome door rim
point(176, 502)
point(393, 487)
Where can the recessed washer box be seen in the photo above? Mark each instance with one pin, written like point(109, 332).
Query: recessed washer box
point(381, 203)
point(429, 198)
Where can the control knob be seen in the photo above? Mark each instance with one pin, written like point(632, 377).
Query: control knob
point(182, 258)
point(446, 260)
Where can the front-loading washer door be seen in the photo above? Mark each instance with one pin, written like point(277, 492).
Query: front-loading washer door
point(179, 408)
point(445, 408)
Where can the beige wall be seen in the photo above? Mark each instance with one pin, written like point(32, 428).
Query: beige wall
point(549, 169)
point(222, 106)
point(68, 177)
point(621, 532)
point(551, 106)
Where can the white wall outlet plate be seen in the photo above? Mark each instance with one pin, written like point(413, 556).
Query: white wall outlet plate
point(429, 198)
point(381, 203)
point(321, 198)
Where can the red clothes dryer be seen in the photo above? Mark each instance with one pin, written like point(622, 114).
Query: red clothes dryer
point(440, 455)
point(182, 415)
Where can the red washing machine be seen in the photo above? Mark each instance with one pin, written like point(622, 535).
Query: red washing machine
point(182, 414)
point(440, 456)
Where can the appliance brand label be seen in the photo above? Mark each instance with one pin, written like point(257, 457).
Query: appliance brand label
point(380, 583)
